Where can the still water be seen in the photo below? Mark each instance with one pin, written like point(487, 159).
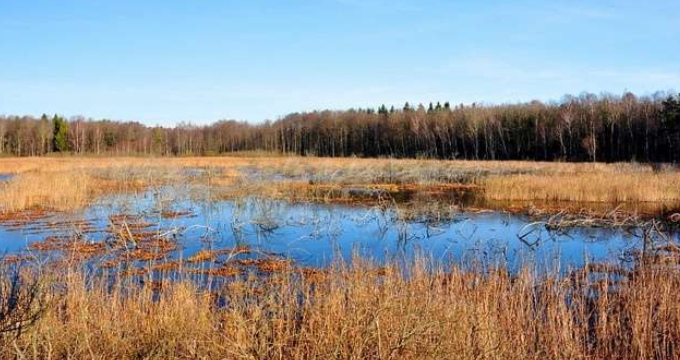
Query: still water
point(314, 235)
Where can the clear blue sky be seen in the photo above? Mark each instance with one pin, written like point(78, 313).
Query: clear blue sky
point(161, 62)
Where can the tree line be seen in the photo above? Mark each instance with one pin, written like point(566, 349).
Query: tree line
point(587, 127)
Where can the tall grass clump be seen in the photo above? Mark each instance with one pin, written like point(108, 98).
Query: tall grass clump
point(69, 190)
point(47, 191)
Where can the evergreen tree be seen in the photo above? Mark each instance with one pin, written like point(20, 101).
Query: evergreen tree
point(407, 107)
point(670, 115)
point(60, 126)
point(110, 139)
point(671, 109)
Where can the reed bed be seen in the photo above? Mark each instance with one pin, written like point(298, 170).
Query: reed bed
point(60, 190)
point(333, 180)
point(613, 187)
point(415, 310)
point(353, 169)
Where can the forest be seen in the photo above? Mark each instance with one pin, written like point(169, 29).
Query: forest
point(587, 127)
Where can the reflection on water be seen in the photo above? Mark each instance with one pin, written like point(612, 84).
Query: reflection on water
point(315, 234)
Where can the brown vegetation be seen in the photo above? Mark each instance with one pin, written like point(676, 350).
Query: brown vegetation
point(361, 311)
point(148, 304)
point(72, 183)
point(601, 186)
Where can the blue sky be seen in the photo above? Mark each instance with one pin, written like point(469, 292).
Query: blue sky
point(162, 62)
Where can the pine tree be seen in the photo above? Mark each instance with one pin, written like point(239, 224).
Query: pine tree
point(60, 126)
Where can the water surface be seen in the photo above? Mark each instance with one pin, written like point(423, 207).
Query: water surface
point(314, 234)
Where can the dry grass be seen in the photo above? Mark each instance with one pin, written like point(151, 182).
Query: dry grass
point(68, 183)
point(58, 190)
point(337, 169)
point(273, 310)
point(362, 312)
point(614, 187)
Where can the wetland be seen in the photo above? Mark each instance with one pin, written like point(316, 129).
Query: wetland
point(235, 240)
